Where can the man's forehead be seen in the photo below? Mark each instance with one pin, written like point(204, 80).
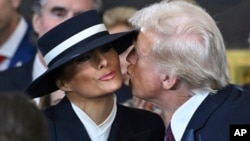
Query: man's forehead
point(145, 41)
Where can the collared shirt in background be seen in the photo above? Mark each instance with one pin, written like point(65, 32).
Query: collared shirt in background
point(9, 48)
point(96, 132)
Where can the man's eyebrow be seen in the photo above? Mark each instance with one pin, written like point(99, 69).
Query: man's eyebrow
point(58, 8)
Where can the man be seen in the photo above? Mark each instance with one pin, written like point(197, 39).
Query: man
point(16, 47)
point(47, 14)
point(179, 63)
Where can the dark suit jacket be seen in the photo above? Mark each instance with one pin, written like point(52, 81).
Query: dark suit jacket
point(16, 79)
point(130, 124)
point(212, 120)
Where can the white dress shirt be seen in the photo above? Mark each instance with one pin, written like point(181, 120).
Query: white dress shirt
point(96, 132)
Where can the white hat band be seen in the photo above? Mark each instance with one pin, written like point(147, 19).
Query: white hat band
point(73, 40)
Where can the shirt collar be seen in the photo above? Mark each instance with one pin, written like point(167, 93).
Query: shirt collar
point(9, 48)
point(184, 113)
point(96, 132)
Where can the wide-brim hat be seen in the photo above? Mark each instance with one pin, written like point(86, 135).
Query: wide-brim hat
point(69, 40)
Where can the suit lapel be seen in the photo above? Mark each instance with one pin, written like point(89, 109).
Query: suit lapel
point(68, 125)
point(189, 136)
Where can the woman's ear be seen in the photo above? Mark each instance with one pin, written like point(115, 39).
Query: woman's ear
point(62, 85)
point(169, 82)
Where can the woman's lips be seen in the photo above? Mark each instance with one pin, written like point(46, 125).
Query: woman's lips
point(107, 76)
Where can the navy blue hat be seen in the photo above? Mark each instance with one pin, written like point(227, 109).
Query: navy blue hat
point(70, 39)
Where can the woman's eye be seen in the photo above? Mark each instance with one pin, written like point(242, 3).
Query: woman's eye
point(83, 58)
point(106, 48)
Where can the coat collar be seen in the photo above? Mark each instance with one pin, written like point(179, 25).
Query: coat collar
point(69, 127)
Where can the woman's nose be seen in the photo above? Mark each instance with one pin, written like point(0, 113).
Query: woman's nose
point(101, 61)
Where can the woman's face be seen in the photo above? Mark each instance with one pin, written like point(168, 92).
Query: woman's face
point(93, 74)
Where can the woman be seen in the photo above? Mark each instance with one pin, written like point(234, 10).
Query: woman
point(83, 62)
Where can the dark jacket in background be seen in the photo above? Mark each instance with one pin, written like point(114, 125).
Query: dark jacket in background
point(16, 79)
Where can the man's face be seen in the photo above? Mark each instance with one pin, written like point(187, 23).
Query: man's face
point(8, 16)
point(144, 77)
point(56, 11)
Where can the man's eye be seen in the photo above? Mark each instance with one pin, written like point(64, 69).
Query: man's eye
point(59, 12)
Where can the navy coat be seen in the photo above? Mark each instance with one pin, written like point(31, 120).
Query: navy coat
point(130, 124)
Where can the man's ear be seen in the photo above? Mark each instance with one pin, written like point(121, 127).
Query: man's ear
point(169, 82)
point(62, 85)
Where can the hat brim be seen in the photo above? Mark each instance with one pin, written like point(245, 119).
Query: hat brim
point(45, 84)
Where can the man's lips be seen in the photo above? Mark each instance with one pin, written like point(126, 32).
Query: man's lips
point(107, 76)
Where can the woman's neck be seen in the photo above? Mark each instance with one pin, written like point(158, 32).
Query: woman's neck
point(98, 109)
